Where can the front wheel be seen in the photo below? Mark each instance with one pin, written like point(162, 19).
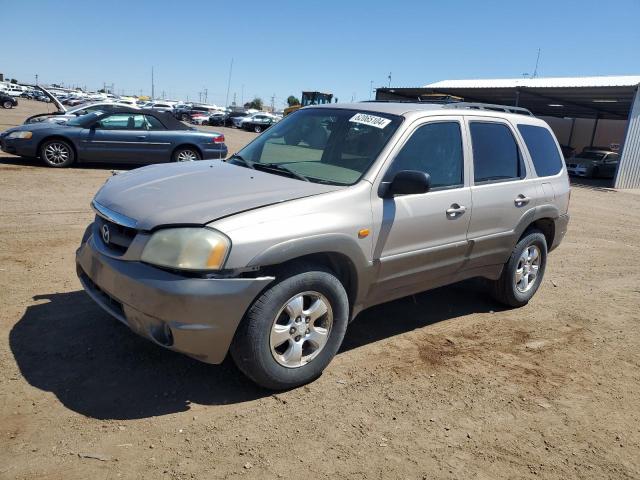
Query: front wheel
point(523, 272)
point(293, 330)
point(257, 128)
point(186, 154)
point(57, 153)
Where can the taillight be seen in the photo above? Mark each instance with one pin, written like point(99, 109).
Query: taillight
point(218, 139)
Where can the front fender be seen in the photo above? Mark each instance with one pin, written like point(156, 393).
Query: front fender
point(327, 244)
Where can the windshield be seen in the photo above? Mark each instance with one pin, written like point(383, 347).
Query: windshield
point(591, 156)
point(83, 120)
point(323, 145)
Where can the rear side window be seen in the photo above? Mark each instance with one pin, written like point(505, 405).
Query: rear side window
point(543, 150)
point(496, 156)
point(436, 149)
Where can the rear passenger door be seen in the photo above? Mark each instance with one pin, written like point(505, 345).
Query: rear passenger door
point(503, 190)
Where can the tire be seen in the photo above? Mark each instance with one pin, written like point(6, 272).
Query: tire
point(257, 128)
point(186, 154)
point(508, 289)
point(274, 317)
point(7, 104)
point(57, 153)
point(185, 118)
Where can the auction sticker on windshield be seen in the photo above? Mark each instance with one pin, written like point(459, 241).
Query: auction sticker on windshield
point(371, 120)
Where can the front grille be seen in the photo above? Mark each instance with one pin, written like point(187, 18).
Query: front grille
point(110, 303)
point(120, 237)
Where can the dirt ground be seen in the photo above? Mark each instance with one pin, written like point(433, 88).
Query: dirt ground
point(446, 384)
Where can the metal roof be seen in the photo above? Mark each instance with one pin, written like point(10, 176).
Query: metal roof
point(547, 82)
point(581, 97)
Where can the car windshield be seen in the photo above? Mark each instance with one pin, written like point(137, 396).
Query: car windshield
point(83, 120)
point(591, 156)
point(323, 145)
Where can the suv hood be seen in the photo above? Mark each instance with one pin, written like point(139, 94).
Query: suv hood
point(197, 193)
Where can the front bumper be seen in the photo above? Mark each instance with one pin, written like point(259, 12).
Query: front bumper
point(19, 146)
point(579, 171)
point(194, 316)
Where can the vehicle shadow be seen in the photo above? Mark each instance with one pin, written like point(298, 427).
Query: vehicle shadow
point(36, 162)
point(67, 345)
point(591, 183)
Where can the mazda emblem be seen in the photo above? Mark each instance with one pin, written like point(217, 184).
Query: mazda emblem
point(106, 236)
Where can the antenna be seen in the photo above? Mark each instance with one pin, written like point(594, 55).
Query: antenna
point(535, 70)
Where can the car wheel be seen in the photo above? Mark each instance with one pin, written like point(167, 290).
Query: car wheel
point(293, 330)
point(523, 272)
point(186, 154)
point(257, 128)
point(185, 118)
point(57, 153)
point(7, 104)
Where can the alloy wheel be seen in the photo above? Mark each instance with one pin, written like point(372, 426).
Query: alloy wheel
point(301, 329)
point(56, 153)
point(186, 156)
point(528, 268)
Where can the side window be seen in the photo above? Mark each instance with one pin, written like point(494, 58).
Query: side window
point(121, 121)
point(153, 123)
point(496, 156)
point(436, 149)
point(543, 150)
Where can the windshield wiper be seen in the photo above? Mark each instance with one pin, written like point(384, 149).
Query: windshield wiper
point(279, 168)
point(247, 163)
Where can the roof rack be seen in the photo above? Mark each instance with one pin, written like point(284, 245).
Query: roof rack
point(491, 107)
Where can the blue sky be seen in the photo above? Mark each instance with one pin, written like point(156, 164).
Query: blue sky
point(283, 47)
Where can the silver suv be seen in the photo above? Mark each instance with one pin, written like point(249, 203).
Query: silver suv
point(270, 254)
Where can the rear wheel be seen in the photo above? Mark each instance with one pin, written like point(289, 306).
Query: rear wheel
point(186, 154)
point(57, 153)
point(293, 330)
point(7, 104)
point(523, 273)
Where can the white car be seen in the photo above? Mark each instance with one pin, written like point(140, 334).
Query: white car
point(239, 121)
point(66, 115)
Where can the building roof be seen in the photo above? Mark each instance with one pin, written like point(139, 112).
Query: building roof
point(542, 82)
point(580, 97)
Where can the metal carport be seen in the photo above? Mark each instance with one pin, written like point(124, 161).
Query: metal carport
point(609, 97)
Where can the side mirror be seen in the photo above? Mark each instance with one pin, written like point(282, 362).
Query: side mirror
point(406, 182)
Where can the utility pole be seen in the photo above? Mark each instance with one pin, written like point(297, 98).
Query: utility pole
point(226, 100)
point(370, 89)
point(36, 79)
point(273, 97)
point(206, 94)
point(153, 87)
point(535, 70)
point(234, 99)
point(389, 79)
point(242, 96)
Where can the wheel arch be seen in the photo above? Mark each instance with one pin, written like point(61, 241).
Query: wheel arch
point(58, 137)
point(185, 145)
point(344, 258)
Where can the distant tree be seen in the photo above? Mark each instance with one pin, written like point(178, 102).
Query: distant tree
point(102, 90)
point(256, 104)
point(13, 80)
point(291, 100)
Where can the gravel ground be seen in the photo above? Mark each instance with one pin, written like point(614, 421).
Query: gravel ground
point(446, 384)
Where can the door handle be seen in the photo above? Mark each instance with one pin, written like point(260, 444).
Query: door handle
point(454, 210)
point(141, 137)
point(521, 200)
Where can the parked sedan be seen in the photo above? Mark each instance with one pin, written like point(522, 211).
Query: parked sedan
point(62, 117)
point(8, 101)
point(258, 123)
point(123, 136)
point(594, 163)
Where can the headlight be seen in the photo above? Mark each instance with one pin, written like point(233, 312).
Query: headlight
point(187, 249)
point(20, 134)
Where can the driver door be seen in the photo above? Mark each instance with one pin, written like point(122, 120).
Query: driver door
point(422, 238)
point(120, 137)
